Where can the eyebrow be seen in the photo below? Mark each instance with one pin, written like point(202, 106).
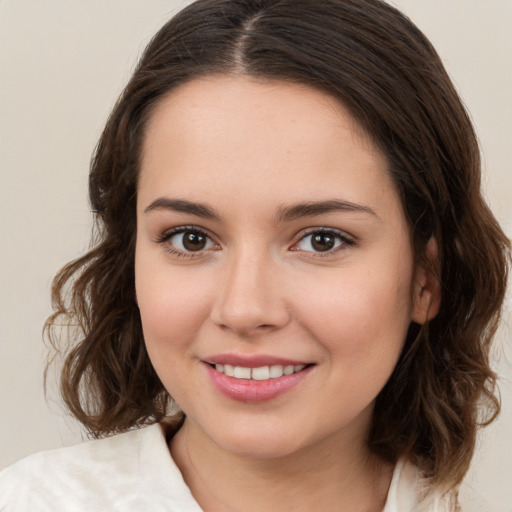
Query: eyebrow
point(284, 214)
point(183, 206)
point(293, 212)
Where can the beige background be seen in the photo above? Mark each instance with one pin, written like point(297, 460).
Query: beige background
point(62, 64)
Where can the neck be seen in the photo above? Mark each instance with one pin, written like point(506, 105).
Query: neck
point(337, 473)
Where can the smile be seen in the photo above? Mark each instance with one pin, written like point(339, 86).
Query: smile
point(261, 373)
point(250, 380)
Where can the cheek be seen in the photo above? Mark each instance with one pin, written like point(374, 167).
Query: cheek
point(172, 312)
point(361, 314)
point(172, 308)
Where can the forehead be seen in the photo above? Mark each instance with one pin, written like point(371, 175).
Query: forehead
point(226, 92)
point(258, 136)
point(203, 106)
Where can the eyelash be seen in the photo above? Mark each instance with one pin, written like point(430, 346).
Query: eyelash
point(339, 236)
point(164, 238)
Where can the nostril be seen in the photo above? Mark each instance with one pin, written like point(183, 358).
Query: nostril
point(245, 311)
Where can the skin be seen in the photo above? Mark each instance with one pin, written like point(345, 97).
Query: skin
point(249, 149)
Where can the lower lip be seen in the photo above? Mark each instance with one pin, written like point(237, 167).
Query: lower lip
point(253, 391)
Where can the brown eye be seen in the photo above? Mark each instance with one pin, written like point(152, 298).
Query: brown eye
point(322, 241)
point(190, 240)
point(193, 241)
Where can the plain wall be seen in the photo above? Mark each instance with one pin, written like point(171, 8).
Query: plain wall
point(62, 65)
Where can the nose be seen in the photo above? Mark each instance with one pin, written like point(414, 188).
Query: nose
point(251, 298)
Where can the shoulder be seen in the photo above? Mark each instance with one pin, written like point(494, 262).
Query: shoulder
point(67, 475)
point(121, 472)
point(410, 491)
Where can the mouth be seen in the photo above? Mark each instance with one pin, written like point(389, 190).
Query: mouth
point(260, 373)
point(250, 380)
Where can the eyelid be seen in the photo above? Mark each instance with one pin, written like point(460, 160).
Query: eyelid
point(347, 240)
point(166, 235)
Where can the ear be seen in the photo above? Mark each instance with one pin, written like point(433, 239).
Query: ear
point(427, 290)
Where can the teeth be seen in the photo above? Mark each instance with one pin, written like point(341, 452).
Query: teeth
point(239, 372)
point(276, 371)
point(261, 373)
point(288, 370)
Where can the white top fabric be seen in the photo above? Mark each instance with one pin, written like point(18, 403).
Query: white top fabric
point(134, 472)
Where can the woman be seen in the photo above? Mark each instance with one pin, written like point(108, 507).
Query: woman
point(290, 246)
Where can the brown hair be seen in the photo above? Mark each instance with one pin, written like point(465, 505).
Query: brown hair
point(374, 60)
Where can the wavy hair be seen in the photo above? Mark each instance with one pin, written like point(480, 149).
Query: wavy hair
point(384, 70)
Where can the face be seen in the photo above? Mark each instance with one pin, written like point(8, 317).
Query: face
point(274, 269)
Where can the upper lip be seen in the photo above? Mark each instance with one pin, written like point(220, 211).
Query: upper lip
point(253, 361)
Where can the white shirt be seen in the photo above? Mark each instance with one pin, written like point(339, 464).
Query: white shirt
point(134, 472)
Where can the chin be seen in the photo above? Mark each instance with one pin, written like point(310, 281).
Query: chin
point(259, 440)
point(263, 448)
